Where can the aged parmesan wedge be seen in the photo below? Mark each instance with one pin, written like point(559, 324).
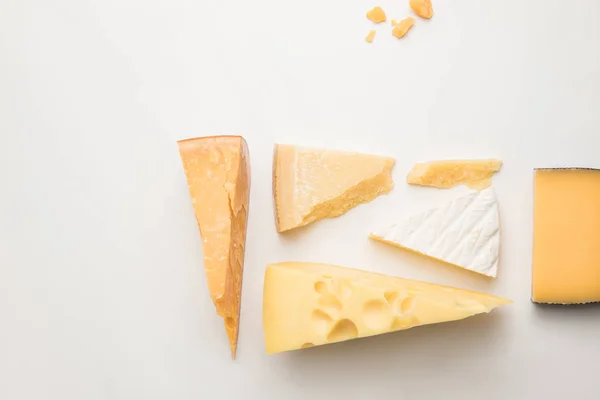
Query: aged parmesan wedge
point(217, 170)
point(312, 184)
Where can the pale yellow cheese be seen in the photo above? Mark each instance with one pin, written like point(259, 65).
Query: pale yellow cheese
point(310, 304)
point(476, 174)
point(217, 170)
point(566, 243)
point(311, 184)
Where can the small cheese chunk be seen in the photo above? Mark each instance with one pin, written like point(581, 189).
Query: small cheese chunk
point(311, 184)
point(370, 36)
point(401, 28)
point(476, 174)
point(310, 304)
point(376, 15)
point(217, 170)
point(464, 232)
point(566, 243)
point(423, 8)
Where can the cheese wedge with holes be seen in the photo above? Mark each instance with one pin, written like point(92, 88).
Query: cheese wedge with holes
point(476, 174)
point(566, 236)
point(311, 184)
point(464, 232)
point(217, 170)
point(310, 304)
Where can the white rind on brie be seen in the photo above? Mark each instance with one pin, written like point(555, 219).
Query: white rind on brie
point(464, 232)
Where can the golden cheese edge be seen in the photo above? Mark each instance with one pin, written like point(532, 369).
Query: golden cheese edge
point(308, 304)
point(285, 187)
point(445, 174)
point(217, 170)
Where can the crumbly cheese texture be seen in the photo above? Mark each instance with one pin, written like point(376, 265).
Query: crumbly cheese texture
point(312, 184)
point(217, 170)
point(476, 174)
point(566, 251)
point(464, 232)
point(310, 304)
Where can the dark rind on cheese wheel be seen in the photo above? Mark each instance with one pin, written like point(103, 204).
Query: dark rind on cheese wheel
point(567, 169)
point(558, 305)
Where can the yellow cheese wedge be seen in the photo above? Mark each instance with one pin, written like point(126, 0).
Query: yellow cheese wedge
point(566, 243)
point(476, 174)
point(312, 184)
point(310, 304)
point(218, 176)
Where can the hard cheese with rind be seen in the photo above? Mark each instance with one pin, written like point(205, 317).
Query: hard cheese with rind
point(217, 170)
point(312, 184)
point(476, 174)
point(311, 304)
point(566, 240)
point(464, 232)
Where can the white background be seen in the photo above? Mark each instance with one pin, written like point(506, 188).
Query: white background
point(102, 289)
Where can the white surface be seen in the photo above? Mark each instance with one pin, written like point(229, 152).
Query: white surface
point(102, 291)
point(464, 232)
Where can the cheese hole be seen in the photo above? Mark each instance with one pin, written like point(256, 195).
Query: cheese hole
point(329, 300)
point(307, 345)
point(344, 329)
point(390, 297)
point(229, 323)
point(321, 321)
point(377, 314)
point(407, 304)
point(320, 287)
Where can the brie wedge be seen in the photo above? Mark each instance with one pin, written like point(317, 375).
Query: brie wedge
point(464, 232)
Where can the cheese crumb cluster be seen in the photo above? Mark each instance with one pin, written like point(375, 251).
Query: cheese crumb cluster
point(422, 8)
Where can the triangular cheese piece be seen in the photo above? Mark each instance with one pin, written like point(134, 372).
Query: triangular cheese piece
point(476, 174)
point(218, 176)
point(310, 304)
point(464, 232)
point(312, 184)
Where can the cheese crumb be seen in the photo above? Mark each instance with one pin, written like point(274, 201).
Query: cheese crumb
point(370, 36)
point(403, 27)
point(422, 8)
point(376, 15)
